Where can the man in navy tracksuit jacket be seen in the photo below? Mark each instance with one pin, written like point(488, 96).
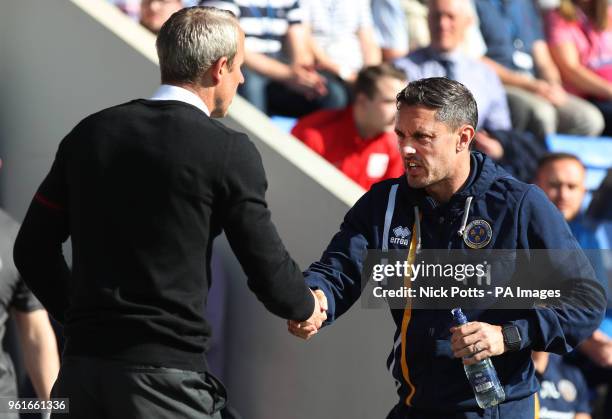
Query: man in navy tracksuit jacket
point(455, 191)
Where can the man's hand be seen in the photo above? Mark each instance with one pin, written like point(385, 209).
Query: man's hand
point(598, 348)
point(557, 95)
point(476, 341)
point(310, 327)
point(552, 92)
point(305, 80)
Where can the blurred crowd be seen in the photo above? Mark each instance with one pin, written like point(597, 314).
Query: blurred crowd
point(535, 68)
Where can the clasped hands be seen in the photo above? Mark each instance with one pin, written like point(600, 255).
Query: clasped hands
point(310, 327)
point(473, 341)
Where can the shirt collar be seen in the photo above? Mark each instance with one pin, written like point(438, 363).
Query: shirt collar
point(170, 92)
point(454, 56)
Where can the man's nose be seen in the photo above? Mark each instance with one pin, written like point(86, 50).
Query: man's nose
point(407, 150)
point(564, 193)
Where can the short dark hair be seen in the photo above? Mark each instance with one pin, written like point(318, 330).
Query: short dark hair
point(369, 76)
point(454, 102)
point(553, 157)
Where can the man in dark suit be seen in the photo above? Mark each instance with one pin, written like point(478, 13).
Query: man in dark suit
point(142, 189)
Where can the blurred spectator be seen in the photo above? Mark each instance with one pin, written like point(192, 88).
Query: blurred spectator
point(562, 177)
point(580, 41)
point(279, 74)
point(129, 7)
point(512, 31)
point(390, 28)
point(38, 343)
point(132, 7)
point(416, 11)
point(343, 35)
point(153, 13)
point(563, 392)
point(449, 21)
point(359, 140)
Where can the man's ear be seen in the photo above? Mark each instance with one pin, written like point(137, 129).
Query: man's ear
point(218, 70)
point(466, 136)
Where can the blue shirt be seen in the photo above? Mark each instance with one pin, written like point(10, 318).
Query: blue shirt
point(584, 233)
point(509, 28)
point(389, 24)
point(493, 113)
point(586, 237)
point(563, 390)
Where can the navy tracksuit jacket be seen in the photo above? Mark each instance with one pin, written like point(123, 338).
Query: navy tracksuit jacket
point(521, 217)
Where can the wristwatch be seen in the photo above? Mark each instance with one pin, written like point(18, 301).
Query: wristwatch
point(512, 337)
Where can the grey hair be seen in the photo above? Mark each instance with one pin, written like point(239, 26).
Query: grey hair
point(469, 10)
point(454, 103)
point(193, 39)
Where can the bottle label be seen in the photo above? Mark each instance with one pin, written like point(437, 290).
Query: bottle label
point(483, 380)
point(483, 387)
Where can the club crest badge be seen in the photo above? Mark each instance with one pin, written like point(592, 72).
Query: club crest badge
point(478, 234)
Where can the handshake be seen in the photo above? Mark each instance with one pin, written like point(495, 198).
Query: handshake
point(310, 327)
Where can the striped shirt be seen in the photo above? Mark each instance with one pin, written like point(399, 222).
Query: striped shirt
point(264, 22)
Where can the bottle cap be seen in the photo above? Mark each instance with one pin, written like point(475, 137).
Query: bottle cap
point(458, 316)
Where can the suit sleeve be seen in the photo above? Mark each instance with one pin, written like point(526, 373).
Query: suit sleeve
point(559, 327)
point(38, 251)
point(338, 272)
point(272, 275)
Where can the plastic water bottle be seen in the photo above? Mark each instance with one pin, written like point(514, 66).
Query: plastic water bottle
point(482, 375)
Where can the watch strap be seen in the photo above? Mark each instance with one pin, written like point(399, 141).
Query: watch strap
point(512, 337)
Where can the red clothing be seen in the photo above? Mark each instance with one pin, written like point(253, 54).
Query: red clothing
point(333, 134)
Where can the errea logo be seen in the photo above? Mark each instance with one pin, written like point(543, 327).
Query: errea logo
point(402, 236)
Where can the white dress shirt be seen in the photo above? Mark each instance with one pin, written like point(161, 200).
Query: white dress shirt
point(169, 92)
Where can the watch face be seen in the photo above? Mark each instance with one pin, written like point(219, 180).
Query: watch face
point(511, 334)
